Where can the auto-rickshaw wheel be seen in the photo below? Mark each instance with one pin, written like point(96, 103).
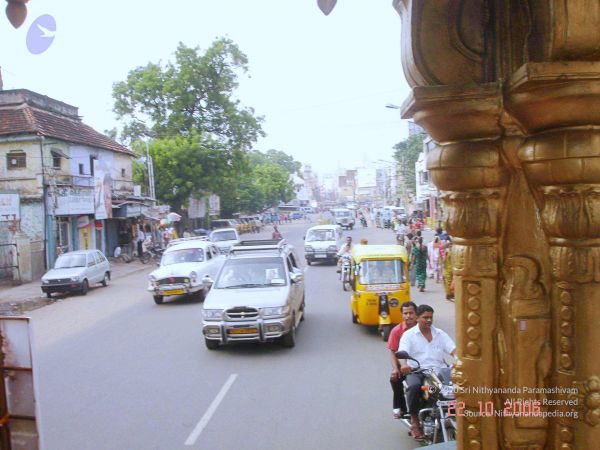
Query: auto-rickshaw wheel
point(385, 332)
point(354, 318)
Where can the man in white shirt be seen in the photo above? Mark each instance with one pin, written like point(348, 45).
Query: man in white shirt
point(428, 345)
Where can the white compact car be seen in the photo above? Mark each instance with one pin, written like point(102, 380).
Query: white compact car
point(184, 268)
point(75, 271)
point(225, 238)
point(322, 243)
point(258, 296)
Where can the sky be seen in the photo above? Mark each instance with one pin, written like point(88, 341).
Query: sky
point(321, 82)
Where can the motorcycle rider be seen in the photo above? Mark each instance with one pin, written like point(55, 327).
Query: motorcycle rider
point(409, 320)
point(427, 344)
point(346, 250)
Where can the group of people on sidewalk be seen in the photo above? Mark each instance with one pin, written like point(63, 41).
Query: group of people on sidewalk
point(432, 260)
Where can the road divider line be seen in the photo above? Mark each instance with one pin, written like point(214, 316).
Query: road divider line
point(195, 434)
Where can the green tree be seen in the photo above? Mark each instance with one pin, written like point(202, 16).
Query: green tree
point(190, 165)
point(279, 158)
point(192, 94)
point(265, 183)
point(406, 154)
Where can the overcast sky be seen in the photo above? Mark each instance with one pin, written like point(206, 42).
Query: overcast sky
point(321, 82)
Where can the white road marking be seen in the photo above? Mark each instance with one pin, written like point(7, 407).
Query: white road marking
point(191, 440)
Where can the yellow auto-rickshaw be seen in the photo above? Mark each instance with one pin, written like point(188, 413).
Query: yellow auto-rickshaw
point(380, 284)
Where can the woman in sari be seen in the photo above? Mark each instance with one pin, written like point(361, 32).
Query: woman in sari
point(420, 260)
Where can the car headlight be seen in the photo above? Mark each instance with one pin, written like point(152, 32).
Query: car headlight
point(45, 281)
point(152, 278)
point(74, 278)
point(193, 277)
point(275, 311)
point(308, 248)
point(212, 314)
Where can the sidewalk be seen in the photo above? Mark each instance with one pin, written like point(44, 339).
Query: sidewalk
point(16, 300)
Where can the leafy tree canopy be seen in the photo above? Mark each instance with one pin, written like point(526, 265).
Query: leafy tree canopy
point(407, 153)
point(190, 165)
point(194, 93)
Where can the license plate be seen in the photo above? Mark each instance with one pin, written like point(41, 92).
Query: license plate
point(242, 331)
point(320, 255)
point(174, 292)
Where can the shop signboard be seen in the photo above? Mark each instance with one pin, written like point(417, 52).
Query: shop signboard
point(197, 208)
point(9, 207)
point(214, 205)
point(70, 200)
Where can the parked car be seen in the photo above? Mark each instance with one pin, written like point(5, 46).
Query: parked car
point(322, 243)
point(225, 238)
point(76, 271)
point(222, 223)
point(258, 296)
point(183, 268)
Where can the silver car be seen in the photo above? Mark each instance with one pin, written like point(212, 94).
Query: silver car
point(258, 296)
point(76, 271)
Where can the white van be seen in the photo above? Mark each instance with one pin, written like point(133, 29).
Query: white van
point(322, 243)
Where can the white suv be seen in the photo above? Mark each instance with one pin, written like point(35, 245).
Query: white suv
point(184, 267)
point(258, 296)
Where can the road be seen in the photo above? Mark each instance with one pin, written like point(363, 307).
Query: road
point(116, 371)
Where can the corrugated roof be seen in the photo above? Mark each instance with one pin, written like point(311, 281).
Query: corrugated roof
point(25, 119)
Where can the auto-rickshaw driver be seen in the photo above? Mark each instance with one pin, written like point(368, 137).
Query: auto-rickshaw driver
point(380, 285)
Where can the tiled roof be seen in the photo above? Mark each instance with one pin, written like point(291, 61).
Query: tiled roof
point(26, 119)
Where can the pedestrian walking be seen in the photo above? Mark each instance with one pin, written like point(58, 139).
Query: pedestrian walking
point(420, 259)
point(448, 272)
point(433, 250)
point(276, 234)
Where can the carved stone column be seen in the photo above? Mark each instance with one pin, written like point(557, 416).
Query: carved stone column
point(468, 168)
point(561, 159)
point(511, 91)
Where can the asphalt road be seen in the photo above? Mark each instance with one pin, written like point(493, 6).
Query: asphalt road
point(116, 371)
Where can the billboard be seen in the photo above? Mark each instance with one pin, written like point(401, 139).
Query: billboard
point(68, 200)
point(9, 207)
point(102, 189)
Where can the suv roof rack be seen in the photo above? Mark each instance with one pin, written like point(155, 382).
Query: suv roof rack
point(186, 239)
point(259, 244)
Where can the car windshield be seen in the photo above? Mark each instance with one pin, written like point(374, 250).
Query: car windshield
point(249, 273)
point(224, 236)
point(342, 213)
point(185, 255)
point(320, 235)
point(381, 272)
point(68, 261)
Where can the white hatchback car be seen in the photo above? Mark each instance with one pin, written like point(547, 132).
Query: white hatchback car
point(183, 268)
point(75, 271)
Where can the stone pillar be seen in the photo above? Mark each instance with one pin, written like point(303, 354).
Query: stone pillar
point(561, 160)
point(468, 169)
point(510, 89)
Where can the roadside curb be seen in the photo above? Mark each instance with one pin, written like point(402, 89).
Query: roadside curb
point(30, 303)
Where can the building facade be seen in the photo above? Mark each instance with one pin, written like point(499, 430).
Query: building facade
point(74, 184)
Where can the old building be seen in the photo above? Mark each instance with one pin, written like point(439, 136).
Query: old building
point(69, 179)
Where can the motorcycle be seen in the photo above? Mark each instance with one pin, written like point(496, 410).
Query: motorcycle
point(363, 222)
point(152, 252)
point(345, 272)
point(438, 395)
